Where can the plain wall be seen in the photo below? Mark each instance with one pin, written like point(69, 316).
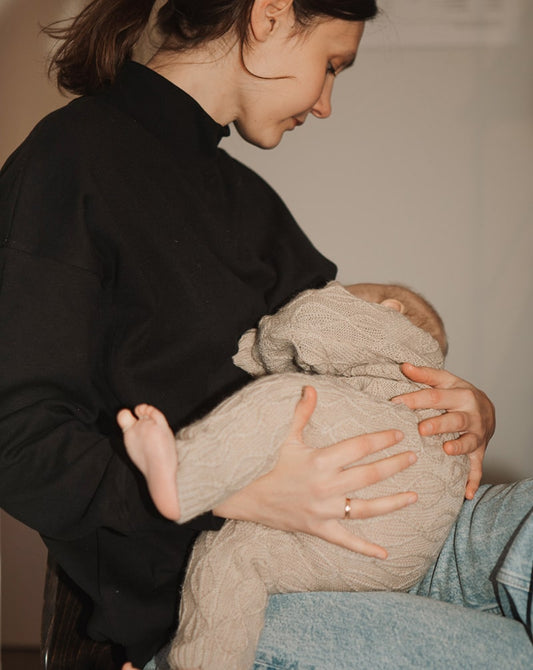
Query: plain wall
point(424, 175)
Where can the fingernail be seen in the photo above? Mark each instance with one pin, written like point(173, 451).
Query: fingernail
point(396, 401)
point(412, 458)
point(412, 499)
point(426, 429)
point(381, 554)
point(398, 435)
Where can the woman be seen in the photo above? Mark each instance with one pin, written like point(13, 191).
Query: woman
point(135, 254)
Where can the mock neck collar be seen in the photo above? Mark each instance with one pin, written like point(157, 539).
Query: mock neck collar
point(165, 110)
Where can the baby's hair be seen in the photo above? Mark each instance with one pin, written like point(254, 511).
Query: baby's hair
point(417, 309)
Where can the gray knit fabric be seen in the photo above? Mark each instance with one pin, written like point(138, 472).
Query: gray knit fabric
point(350, 351)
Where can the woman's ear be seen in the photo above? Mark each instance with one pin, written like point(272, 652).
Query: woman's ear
point(393, 304)
point(268, 16)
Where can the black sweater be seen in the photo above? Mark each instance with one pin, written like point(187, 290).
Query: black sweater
point(134, 254)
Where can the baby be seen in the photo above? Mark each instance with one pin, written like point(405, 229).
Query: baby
point(348, 344)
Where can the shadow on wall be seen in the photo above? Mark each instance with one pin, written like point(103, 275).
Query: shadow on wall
point(24, 53)
point(25, 90)
point(493, 475)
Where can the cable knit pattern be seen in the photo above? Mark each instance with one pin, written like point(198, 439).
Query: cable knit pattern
point(350, 351)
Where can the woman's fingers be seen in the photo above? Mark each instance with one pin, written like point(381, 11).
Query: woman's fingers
point(353, 449)
point(468, 410)
point(437, 398)
point(365, 509)
point(302, 413)
point(332, 531)
point(475, 474)
point(450, 422)
point(430, 376)
point(465, 444)
point(365, 475)
point(335, 483)
point(307, 488)
point(449, 393)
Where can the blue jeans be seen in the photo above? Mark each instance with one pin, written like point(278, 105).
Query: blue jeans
point(447, 621)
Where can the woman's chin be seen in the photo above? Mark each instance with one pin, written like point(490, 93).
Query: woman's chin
point(262, 138)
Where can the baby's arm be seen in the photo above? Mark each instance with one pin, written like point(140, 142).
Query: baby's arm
point(151, 446)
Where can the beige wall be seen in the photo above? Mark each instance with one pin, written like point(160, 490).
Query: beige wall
point(25, 96)
point(423, 176)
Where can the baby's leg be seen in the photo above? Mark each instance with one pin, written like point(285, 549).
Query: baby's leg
point(151, 446)
point(230, 575)
point(224, 600)
point(235, 443)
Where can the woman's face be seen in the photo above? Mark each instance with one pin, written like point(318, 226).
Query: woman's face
point(298, 70)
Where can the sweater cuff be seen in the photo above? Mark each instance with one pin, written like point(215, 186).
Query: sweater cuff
point(198, 494)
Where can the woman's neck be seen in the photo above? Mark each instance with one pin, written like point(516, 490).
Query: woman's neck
point(210, 74)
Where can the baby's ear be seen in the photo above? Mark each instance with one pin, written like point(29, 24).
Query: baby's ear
point(394, 304)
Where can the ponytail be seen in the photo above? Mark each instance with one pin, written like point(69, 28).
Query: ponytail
point(97, 42)
point(101, 38)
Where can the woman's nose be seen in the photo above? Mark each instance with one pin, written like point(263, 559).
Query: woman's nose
point(322, 107)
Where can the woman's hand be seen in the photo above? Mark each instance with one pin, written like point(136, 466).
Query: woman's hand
point(468, 412)
point(306, 490)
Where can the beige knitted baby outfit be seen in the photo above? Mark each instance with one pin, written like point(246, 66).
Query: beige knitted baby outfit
point(350, 351)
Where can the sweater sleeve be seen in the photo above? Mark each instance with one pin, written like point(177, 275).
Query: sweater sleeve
point(60, 473)
point(64, 470)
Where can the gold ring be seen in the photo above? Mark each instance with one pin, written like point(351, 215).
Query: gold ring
point(347, 508)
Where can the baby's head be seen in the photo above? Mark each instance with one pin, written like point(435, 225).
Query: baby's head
point(402, 299)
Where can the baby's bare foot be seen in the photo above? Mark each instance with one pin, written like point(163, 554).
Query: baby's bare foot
point(151, 446)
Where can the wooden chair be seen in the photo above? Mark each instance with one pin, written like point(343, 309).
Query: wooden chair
point(64, 646)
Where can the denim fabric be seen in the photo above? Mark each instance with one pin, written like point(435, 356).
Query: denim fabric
point(513, 576)
point(159, 662)
point(489, 549)
point(484, 568)
point(386, 631)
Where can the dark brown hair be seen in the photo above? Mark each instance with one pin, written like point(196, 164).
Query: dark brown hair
point(101, 38)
